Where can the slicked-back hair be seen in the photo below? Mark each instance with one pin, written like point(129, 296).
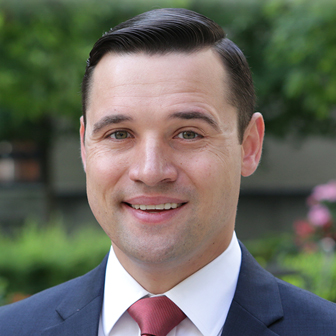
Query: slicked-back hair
point(163, 31)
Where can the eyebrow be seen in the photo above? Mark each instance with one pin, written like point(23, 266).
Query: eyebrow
point(196, 115)
point(108, 120)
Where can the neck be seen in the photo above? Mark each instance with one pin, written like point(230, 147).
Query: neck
point(161, 277)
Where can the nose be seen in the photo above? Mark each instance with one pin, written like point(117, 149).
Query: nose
point(152, 164)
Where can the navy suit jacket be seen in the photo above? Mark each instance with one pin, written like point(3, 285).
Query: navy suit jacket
point(262, 306)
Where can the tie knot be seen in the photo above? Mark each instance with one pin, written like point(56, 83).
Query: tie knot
point(156, 315)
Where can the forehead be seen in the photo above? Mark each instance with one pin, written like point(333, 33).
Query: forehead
point(173, 77)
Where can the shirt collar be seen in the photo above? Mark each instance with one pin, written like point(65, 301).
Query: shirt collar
point(205, 297)
point(120, 288)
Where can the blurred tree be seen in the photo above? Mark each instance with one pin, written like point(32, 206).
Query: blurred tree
point(301, 52)
point(291, 48)
point(290, 45)
point(44, 45)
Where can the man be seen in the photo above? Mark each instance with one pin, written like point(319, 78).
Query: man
point(168, 128)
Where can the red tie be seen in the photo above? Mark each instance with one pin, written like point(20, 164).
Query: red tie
point(156, 316)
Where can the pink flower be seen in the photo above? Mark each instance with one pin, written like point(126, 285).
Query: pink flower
point(319, 215)
point(303, 228)
point(325, 192)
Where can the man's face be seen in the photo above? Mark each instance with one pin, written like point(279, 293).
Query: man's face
point(162, 156)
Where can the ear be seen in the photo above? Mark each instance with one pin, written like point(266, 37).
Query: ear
point(82, 142)
point(252, 144)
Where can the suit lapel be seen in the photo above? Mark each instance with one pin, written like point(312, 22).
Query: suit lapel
point(241, 323)
point(256, 304)
point(83, 322)
point(80, 310)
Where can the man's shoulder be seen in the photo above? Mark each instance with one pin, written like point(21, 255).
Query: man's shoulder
point(42, 299)
point(305, 307)
point(280, 306)
point(40, 310)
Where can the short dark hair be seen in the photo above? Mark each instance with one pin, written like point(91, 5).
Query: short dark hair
point(162, 31)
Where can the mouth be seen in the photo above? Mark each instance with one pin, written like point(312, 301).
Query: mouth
point(155, 207)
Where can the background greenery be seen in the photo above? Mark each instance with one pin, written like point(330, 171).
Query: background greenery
point(314, 271)
point(37, 258)
point(290, 45)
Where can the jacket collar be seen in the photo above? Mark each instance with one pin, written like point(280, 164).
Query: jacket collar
point(256, 303)
point(80, 309)
point(255, 306)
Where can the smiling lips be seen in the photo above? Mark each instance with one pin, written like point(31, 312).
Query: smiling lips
point(154, 210)
point(163, 206)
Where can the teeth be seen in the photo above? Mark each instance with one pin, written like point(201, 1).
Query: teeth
point(165, 206)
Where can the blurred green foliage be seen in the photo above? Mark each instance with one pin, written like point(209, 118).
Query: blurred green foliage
point(37, 258)
point(290, 45)
point(314, 271)
point(267, 250)
point(40, 257)
point(301, 52)
point(44, 47)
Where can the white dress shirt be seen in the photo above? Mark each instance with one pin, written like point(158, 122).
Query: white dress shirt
point(205, 297)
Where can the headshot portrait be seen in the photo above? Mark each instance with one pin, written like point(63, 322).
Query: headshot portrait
point(168, 128)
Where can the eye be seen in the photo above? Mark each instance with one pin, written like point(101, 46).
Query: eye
point(188, 135)
point(119, 135)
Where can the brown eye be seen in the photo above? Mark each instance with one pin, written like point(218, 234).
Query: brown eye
point(119, 135)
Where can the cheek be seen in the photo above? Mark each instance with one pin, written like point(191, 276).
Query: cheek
point(213, 163)
point(103, 168)
point(203, 173)
point(215, 174)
